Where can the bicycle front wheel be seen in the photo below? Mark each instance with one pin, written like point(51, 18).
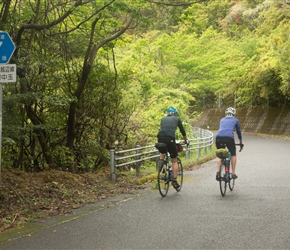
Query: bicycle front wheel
point(163, 183)
point(223, 180)
point(179, 177)
point(231, 182)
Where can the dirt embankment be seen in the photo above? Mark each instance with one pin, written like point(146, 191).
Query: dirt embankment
point(26, 197)
point(268, 120)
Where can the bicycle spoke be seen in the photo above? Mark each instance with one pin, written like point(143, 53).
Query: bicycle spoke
point(179, 175)
point(163, 183)
point(223, 181)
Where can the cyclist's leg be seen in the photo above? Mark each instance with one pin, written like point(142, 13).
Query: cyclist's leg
point(161, 156)
point(218, 175)
point(219, 144)
point(232, 148)
point(179, 177)
point(174, 167)
point(171, 146)
point(175, 184)
point(161, 159)
point(234, 162)
point(172, 149)
point(219, 165)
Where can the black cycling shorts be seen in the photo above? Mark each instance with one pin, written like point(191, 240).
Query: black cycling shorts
point(222, 142)
point(171, 145)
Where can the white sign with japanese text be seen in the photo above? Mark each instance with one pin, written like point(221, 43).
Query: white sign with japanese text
point(7, 73)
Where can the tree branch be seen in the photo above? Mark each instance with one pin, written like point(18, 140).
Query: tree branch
point(174, 4)
point(108, 39)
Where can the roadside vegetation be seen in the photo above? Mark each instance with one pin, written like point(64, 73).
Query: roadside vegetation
point(30, 196)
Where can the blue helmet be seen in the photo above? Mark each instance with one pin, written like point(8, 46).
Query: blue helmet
point(172, 110)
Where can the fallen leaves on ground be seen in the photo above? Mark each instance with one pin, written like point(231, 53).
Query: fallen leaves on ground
point(26, 196)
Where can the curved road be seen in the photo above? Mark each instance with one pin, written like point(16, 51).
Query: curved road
point(255, 215)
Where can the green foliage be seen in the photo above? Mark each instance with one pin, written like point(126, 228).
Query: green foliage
point(63, 158)
point(77, 81)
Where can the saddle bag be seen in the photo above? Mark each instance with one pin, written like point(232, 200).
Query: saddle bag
point(222, 153)
point(162, 147)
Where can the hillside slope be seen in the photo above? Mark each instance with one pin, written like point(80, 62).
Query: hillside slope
point(257, 120)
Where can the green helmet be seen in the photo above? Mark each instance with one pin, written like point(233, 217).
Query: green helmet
point(172, 110)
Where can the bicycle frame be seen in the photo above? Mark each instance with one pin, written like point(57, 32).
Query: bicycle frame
point(227, 163)
point(168, 169)
point(165, 174)
point(225, 173)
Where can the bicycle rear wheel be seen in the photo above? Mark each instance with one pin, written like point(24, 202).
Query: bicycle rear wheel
point(231, 182)
point(179, 177)
point(223, 180)
point(163, 183)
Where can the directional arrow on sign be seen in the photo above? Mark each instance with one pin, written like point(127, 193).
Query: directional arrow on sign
point(7, 47)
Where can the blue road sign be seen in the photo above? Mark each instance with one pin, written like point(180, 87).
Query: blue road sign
point(7, 47)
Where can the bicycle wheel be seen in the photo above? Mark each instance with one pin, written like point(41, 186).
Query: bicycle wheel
point(231, 182)
point(223, 181)
point(163, 183)
point(179, 177)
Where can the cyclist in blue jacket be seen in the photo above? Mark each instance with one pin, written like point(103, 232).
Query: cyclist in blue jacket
point(166, 135)
point(225, 136)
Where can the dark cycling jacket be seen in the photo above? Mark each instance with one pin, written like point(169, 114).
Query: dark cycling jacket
point(227, 127)
point(168, 127)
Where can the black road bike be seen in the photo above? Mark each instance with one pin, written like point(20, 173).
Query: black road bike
point(225, 174)
point(165, 173)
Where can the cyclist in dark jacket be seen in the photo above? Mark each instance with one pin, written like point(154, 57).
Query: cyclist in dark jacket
point(166, 135)
point(225, 136)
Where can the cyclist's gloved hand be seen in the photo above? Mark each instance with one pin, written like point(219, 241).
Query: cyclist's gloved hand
point(241, 146)
point(186, 141)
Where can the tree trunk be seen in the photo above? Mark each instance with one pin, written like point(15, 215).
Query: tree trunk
point(88, 62)
point(41, 135)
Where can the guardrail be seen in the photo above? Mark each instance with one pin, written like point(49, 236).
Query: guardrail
point(202, 140)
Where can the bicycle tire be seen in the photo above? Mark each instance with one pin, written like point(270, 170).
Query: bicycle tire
point(179, 177)
point(231, 183)
point(163, 183)
point(223, 181)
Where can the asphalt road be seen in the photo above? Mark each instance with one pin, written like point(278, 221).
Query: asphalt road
point(255, 215)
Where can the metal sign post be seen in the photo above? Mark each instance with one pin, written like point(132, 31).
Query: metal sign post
point(0, 128)
point(7, 73)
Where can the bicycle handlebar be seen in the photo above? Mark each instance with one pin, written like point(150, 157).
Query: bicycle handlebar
point(182, 142)
point(241, 146)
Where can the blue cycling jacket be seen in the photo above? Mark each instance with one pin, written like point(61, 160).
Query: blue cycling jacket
point(227, 127)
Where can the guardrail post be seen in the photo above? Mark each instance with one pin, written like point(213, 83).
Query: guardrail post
point(204, 146)
point(138, 158)
point(198, 143)
point(187, 152)
point(157, 160)
point(112, 165)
